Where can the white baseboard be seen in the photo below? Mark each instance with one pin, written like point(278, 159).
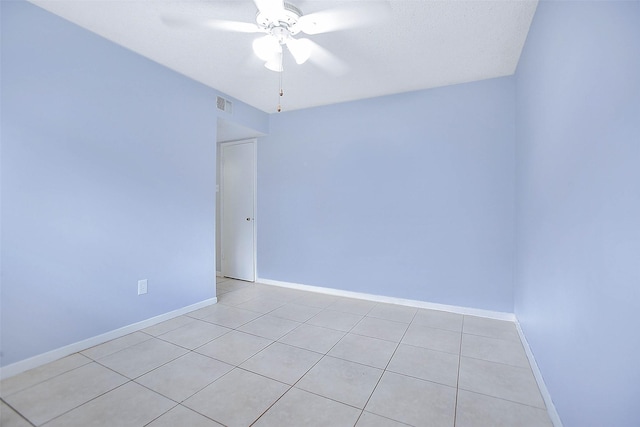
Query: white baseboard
point(499, 315)
point(50, 356)
point(546, 396)
point(219, 274)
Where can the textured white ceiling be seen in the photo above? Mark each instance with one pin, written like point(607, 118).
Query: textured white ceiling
point(418, 45)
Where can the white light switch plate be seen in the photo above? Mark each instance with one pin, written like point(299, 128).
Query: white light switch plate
point(142, 286)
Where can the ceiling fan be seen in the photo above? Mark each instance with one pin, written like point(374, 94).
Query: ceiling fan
point(282, 22)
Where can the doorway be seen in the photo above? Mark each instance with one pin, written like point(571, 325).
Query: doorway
point(237, 209)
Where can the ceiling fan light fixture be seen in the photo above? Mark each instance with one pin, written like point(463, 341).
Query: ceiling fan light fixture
point(266, 47)
point(300, 49)
point(275, 62)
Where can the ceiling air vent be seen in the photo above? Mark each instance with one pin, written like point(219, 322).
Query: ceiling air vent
point(224, 105)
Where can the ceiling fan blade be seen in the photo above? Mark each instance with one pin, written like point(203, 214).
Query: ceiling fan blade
point(240, 27)
point(343, 18)
point(267, 6)
point(217, 24)
point(327, 60)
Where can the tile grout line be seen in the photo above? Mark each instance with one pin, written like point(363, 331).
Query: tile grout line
point(319, 360)
point(290, 386)
point(273, 341)
point(165, 412)
point(298, 380)
point(16, 411)
point(455, 406)
point(50, 378)
point(327, 355)
point(90, 400)
point(387, 365)
point(128, 380)
point(224, 375)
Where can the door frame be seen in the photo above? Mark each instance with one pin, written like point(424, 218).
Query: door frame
point(254, 143)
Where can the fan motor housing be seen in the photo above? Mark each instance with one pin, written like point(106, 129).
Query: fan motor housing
point(279, 20)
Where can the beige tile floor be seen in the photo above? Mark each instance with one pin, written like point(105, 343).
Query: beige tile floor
point(269, 356)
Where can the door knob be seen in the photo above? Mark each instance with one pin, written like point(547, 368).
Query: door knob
point(248, 219)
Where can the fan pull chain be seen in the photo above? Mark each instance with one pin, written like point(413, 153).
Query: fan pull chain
point(281, 92)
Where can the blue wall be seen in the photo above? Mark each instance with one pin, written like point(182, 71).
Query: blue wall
point(108, 176)
point(410, 196)
point(578, 265)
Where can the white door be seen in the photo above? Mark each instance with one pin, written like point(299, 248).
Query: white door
point(238, 207)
